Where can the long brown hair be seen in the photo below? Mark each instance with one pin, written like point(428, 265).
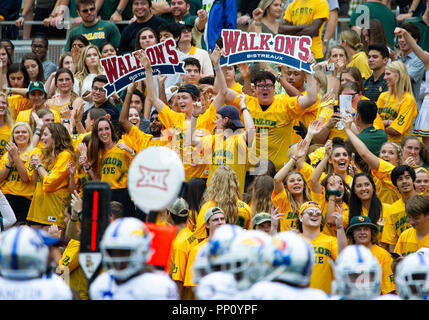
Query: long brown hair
point(62, 141)
point(95, 145)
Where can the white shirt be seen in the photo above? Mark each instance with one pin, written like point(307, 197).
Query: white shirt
point(50, 287)
point(217, 286)
point(268, 290)
point(147, 286)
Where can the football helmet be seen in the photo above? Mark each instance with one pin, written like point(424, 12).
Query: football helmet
point(412, 277)
point(201, 266)
point(220, 243)
point(357, 274)
point(292, 259)
point(23, 254)
point(125, 247)
point(247, 259)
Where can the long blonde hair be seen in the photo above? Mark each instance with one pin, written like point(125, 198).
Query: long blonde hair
point(295, 205)
point(8, 115)
point(402, 83)
point(224, 189)
point(352, 39)
point(82, 69)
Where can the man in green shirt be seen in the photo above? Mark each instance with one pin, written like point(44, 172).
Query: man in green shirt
point(422, 22)
point(95, 30)
point(365, 115)
point(377, 10)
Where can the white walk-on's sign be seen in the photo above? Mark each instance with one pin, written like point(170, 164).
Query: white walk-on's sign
point(241, 47)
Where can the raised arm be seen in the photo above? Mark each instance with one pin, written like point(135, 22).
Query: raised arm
point(312, 89)
point(150, 83)
point(249, 125)
point(301, 150)
point(367, 156)
point(123, 116)
point(420, 53)
point(317, 173)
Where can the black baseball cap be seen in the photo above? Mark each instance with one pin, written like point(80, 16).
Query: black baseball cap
point(232, 113)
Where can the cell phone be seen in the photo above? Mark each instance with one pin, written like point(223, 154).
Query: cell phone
point(331, 67)
point(336, 108)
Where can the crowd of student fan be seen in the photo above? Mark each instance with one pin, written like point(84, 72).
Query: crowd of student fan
point(338, 180)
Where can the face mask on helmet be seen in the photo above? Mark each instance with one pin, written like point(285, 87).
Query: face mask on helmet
point(357, 274)
point(412, 277)
point(23, 254)
point(125, 247)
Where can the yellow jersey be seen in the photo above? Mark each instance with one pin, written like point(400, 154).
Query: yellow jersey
point(395, 222)
point(280, 200)
point(189, 277)
point(114, 167)
point(13, 183)
point(305, 12)
point(385, 260)
point(386, 191)
point(52, 193)
point(18, 103)
point(325, 248)
point(402, 112)
point(177, 127)
point(25, 115)
point(5, 132)
point(306, 117)
point(360, 61)
point(180, 249)
point(409, 243)
point(231, 151)
point(244, 218)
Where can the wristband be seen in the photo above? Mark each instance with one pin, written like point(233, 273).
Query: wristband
point(333, 192)
point(195, 116)
point(73, 220)
point(216, 68)
point(258, 24)
point(65, 121)
point(10, 92)
point(278, 76)
point(38, 166)
point(37, 131)
point(245, 108)
point(7, 166)
point(119, 11)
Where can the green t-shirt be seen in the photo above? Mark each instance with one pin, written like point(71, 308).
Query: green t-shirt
point(373, 139)
point(109, 7)
point(97, 34)
point(381, 12)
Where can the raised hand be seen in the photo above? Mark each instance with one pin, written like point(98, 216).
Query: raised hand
point(215, 56)
point(144, 60)
point(257, 14)
point(301, 149)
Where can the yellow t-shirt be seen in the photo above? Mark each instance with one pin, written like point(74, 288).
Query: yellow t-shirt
point(24, 116)
point(305, 12)
point(325, 248)
point(189, 282)
point(181, 247)
point(13, 183)
point(306, 117)
point(114, 167)
point(244, 218)
point(51, 194)
point(395, 222)
point(5, 132)
point(77, 139)
point(280, 200)
point(176, 127)
point(386, 191)
point(401, 112)
point(231, 151)
point(237, 87)
point(74, 276)
point(409, 243)
point(331, 230)
point(385, 260)
point(274, 128)
point(17, 103)
point(360, 61)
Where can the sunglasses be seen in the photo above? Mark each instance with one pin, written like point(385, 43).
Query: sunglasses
point(87, 10)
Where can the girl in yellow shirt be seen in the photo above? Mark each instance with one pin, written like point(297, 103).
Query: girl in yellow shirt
point(422, 181)
point(6, 123)
point(351, 41)
point(109, 161)
point(290, 190)
point(51, 176)
point(17, 78)
point(397, 106)
point(310, 224)
point(14, 171)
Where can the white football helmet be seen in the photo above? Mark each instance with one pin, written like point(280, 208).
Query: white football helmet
point(292, 259)
point(412, 277)
point(220, 243)
point(357, 274)
point(248, 258)
point(132, 237)
point(201, 266)
point(23, 254)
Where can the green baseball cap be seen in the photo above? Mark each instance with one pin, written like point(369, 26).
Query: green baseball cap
point(360, 221)
point(179, 208)
point(260, 218)
point(36, 85)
